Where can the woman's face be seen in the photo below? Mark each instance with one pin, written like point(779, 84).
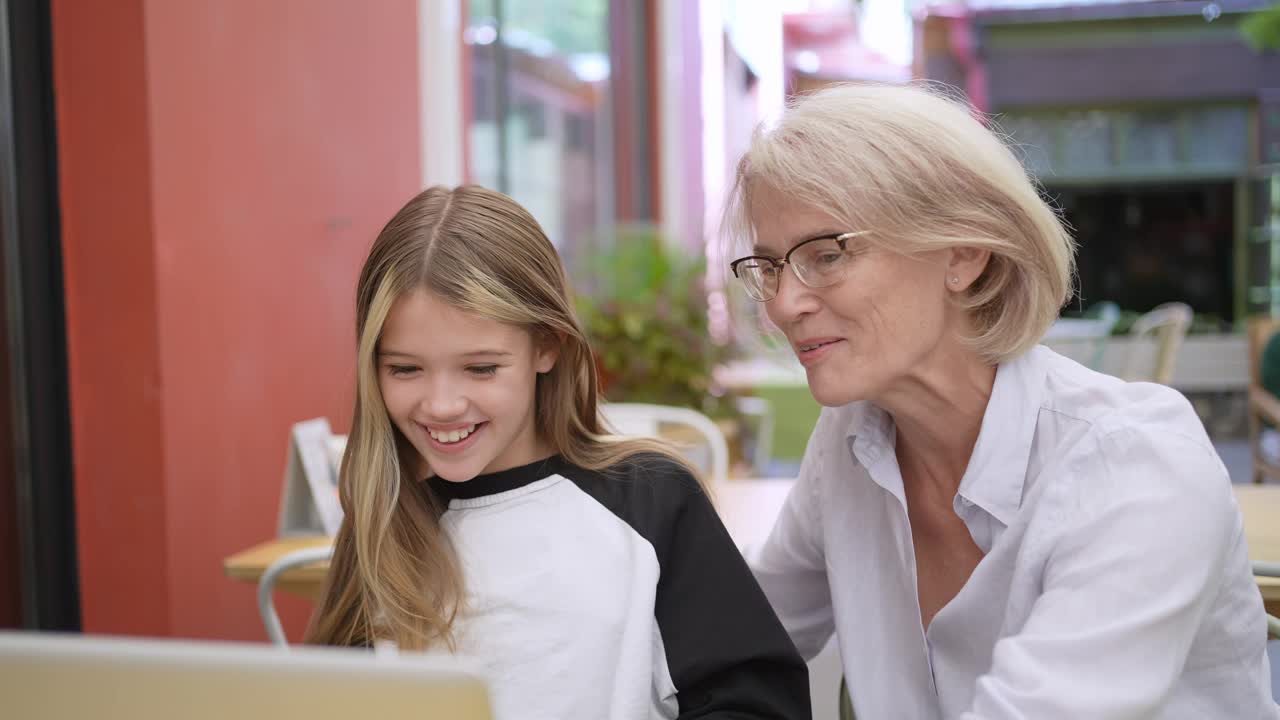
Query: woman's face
point(863, 336)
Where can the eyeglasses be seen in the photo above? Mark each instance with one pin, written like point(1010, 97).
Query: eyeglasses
point(817, 262)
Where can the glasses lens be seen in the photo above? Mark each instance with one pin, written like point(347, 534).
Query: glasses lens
point(760, 277)
point(820, 263)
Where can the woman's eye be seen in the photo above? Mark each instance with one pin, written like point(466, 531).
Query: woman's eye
point(829, 258)
point(401, 369)
point(483, 370)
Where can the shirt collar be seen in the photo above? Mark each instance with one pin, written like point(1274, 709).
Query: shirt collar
point(997, 469)
point(871, 433)
point(871, 440)
point(497, 482)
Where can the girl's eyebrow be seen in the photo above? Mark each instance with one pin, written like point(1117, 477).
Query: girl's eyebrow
point(471, 354)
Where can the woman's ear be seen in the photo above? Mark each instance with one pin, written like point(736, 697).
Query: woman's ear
point(546, 351)
point(964, 266)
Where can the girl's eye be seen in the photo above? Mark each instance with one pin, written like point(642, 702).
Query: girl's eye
point(483, 370)
point(398, 370)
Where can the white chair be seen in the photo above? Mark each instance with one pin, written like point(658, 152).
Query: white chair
point(1167, 326)
point(644, 420)
point(267, 585)
point(762, 439)
point(1272, 570)
point(1085, 339)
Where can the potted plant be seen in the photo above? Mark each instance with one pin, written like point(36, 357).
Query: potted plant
point(645, 313)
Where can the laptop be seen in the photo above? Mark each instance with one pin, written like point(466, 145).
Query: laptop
point(46, 676)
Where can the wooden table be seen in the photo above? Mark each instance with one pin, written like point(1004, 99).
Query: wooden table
point(1260, 505)
point(306, 581)
point(749, 507)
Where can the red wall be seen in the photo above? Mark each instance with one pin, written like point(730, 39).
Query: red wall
point(224, 167)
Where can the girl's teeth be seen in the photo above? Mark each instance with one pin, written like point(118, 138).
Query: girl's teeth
point(453, 436)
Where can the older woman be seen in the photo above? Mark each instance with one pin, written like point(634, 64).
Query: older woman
point(990, 529)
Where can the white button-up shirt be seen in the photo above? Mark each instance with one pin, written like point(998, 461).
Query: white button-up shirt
point(1115, 583)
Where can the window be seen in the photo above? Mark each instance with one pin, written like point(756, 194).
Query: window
point(1085, 143)
point(540, 118)
point(1148, 144)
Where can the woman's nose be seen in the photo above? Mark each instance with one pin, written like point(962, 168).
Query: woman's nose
point(793, 301)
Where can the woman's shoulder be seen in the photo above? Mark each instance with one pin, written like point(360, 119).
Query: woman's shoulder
point(1109, 441)
point(648, 490)
point(1107, 404)
point(1136, 444)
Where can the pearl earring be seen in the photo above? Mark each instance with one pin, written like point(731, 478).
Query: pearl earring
point(954, 280)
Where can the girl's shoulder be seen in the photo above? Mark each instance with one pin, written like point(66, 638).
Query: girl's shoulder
point(647, 489)
point(650, 467)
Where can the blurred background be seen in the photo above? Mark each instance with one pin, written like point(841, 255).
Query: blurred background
point(188, 189)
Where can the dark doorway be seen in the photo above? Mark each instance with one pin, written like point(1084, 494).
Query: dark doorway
point(38, 571)
point(1142, 245)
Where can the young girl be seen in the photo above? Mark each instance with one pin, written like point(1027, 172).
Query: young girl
point(588, 574)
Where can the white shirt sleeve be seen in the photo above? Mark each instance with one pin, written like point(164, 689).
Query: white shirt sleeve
point(791, 566)
point(1146, 530)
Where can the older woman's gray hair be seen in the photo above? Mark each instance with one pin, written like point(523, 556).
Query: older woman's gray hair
point(919, 171)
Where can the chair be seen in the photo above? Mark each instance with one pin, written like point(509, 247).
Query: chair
point(846, 703)
point(1269, 569)
point(762, 438)
point(1167, 325)
point(1085, 339)
point(1264, 408)
point(267, 584)
point(644, 420)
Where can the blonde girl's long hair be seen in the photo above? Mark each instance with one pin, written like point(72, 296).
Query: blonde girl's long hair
point(394, 574)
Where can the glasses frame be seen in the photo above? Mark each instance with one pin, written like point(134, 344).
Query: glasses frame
point(779, 263)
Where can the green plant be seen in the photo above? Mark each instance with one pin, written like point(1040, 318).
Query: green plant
point(644, 310)
point(1262, 28)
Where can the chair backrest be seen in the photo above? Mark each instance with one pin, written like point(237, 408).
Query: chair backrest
point(267, 585)
point(845, 703)
point(644, 420)
point(1106, 313)
point(1260, 331)
point(1085, 339)
point(1167, 324)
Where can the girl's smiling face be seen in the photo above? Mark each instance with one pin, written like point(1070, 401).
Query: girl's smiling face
point(461, 387)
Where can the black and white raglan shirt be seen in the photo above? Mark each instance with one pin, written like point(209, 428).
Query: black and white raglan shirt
point(613, 595)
